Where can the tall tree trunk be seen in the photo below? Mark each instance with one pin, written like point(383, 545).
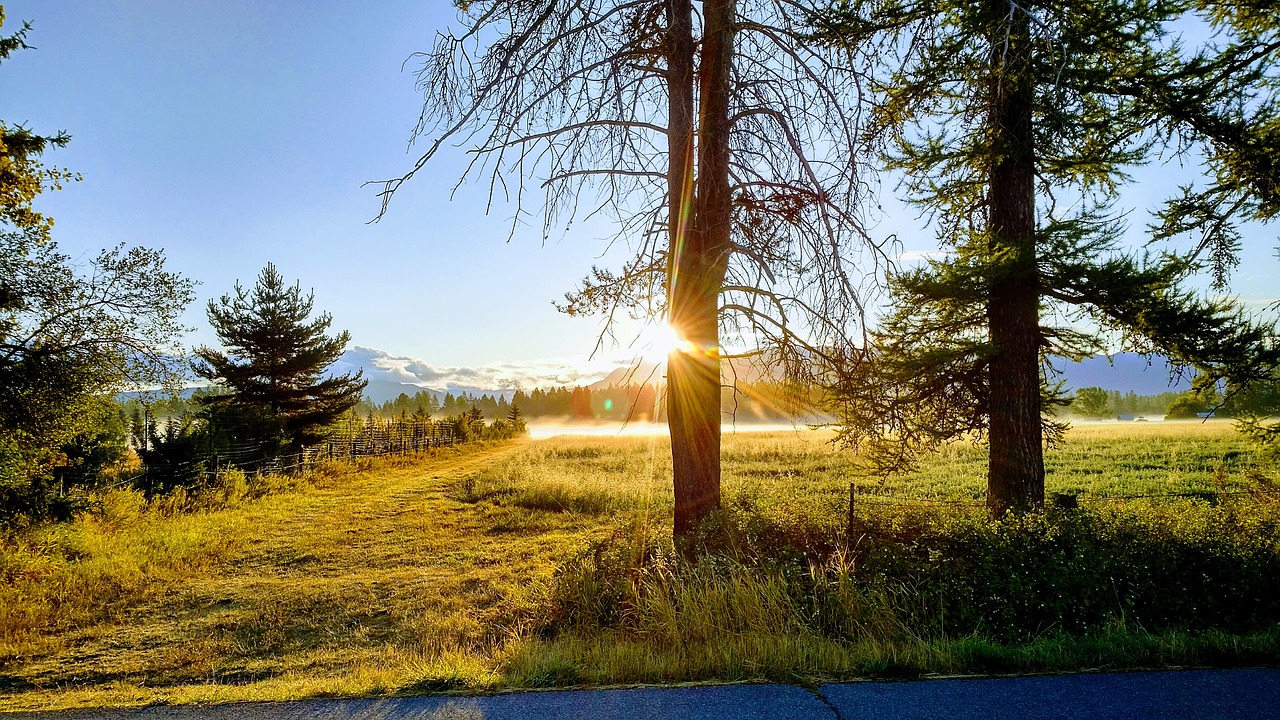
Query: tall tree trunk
point(1015, 478)
point(700, 223)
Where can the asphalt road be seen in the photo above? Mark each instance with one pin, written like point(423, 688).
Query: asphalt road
point(1173, 695)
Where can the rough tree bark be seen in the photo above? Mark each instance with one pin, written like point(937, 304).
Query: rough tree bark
point(700, 233)
point(1015, 475)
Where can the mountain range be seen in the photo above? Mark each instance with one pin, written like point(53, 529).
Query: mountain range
point(389, 375)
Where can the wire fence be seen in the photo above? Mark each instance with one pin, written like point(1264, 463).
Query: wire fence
point(356, 440)
point(858, 496)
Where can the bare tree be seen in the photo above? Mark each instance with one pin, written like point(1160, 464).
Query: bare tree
point(717, 138)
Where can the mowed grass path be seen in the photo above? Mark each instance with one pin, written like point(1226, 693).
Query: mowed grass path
point(367, 583)
point(428, 575)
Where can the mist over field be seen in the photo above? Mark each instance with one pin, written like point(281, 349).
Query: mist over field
point(540, 430)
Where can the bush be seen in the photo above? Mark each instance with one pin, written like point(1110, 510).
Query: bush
point(29, 493)
point(173, 458)
point(1184, 406)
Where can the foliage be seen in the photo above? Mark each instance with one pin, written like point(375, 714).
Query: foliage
point(515, 419)
point(939, 573)
point(1255, 408)
point(68, 335)
point(998, 114)
point(1092, 402)
point(274, 359)
point(174, 458)
point(103, 445)
point(1185, 566)
point(1186, 405)
point(22, 176)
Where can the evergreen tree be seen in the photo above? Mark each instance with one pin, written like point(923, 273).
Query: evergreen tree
point(515, 419)
point(1014, 125)
point(275, 358)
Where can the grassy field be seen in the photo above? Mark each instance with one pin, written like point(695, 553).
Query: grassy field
point(440, 574)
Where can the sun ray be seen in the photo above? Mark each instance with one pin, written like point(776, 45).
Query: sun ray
point(658, 341)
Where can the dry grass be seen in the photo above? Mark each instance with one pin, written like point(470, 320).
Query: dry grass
point(364, 583)
point(407, 577)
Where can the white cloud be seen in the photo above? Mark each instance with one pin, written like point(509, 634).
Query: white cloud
point(497, 376)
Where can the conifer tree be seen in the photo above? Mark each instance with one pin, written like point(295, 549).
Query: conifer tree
point(1014, 124)
point(274, 360)
point(516, 418)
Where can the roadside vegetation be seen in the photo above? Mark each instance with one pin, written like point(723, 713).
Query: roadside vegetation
point(549, 563)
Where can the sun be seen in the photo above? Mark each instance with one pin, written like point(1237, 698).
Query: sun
point(657, 341)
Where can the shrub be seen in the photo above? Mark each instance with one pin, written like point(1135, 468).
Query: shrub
point(941, 574)
point(1188, 405)
point(174, 458)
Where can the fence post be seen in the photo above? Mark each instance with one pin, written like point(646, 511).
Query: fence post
point(848, 533)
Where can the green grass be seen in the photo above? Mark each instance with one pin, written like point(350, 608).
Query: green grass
point(448, 573)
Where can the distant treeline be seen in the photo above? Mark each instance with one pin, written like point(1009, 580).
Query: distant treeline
point(1131, 403)
point(758, 402)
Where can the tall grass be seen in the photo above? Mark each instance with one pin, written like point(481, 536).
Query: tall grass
point(549, 563)
point(930, 591)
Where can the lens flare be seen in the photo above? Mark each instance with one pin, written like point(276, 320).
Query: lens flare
point(658, 341)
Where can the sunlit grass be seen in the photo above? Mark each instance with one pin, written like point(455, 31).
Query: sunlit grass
point(434, 574)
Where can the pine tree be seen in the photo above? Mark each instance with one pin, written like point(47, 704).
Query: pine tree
point(275, 358)
point(515, 418)
point(1014, 125)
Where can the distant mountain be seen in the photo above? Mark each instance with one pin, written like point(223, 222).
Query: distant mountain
point(390, 375)
point(644, 373)
point(740, 371)
point(380, 391)
point(1123, 372)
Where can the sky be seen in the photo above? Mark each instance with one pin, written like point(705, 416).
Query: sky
point(232, 133)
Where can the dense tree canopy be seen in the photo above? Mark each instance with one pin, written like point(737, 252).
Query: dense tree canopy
point(1092, 402)
point(69, 334)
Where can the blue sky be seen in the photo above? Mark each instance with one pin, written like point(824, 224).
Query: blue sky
point(234, 132)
